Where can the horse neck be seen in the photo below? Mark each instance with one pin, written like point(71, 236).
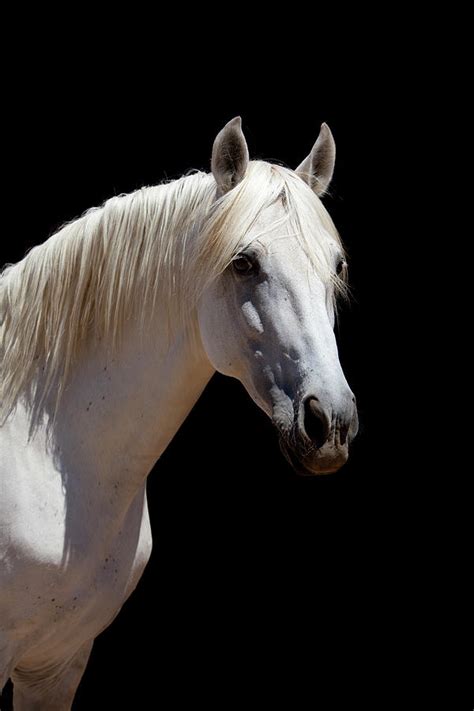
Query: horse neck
point(119, 413)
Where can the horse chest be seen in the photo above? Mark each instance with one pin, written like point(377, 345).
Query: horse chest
point(99, 588)
point(71, 585)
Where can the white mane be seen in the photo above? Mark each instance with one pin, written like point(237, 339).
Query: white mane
point(159, 244)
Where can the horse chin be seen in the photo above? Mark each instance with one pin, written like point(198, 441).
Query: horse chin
point(319, 462)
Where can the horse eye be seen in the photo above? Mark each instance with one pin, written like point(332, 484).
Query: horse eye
point(340, 266)
point(243, 265)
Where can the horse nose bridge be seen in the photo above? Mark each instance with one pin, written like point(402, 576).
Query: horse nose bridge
point(324, 377)
point(319, 346)
point(306, 363)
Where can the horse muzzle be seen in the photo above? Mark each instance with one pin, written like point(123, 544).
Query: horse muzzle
point(319, 441)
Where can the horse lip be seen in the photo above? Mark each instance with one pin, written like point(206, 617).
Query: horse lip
point(293, 460)
point(299, 466)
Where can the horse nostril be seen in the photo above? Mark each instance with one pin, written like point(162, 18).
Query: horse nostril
point(316, 422)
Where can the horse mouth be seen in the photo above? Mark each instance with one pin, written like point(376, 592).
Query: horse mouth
point(292, 459)
point(309, 468)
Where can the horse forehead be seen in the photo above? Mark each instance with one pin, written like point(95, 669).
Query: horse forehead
point(282, 251)
point(284, 256)
point(283, 247)
point(274, 236)
point(271, 213)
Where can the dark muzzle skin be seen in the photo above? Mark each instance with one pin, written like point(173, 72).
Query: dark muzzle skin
point(318, 443)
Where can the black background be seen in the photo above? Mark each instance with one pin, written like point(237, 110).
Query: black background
point(262, 585)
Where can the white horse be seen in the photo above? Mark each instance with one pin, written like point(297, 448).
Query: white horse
point(109, 332)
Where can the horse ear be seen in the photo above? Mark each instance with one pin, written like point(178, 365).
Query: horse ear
point(318, 167)
point(230, 156)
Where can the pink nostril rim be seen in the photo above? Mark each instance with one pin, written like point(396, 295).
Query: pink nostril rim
point(316, 423)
